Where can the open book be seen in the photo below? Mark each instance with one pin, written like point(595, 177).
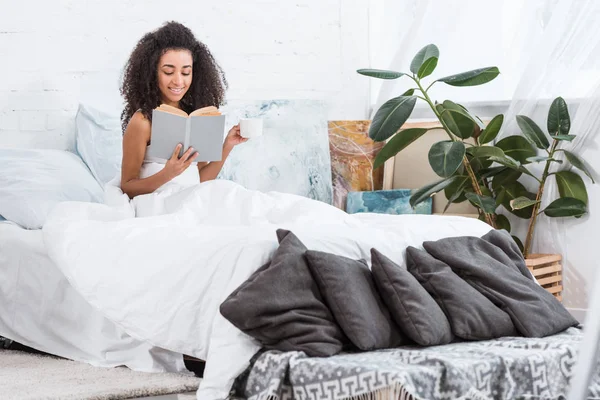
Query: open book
point(202, 129)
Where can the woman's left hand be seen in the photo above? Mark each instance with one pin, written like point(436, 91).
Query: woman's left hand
point(234, 138)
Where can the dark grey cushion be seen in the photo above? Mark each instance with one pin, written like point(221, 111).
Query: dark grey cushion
point(415, 312)
point(534, 311)
point(509, 253)
point(281, 306)
point(471, 315)
point(350, 293)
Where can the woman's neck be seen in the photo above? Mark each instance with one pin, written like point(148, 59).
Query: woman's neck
point(171, 103)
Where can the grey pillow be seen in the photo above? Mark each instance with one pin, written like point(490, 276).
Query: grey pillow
point(350, 293)
point(534, 311)
point(509, 253)
point(280, 305)
point(471, 315)
point(415, 312)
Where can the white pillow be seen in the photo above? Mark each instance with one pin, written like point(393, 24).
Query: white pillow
point(32, 182)
point(99, 141)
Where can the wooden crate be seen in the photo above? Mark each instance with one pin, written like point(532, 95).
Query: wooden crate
point(547, 269)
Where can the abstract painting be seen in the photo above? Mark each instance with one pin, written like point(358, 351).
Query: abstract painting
point(394, 201)
point(292, 155)
point(352, 155)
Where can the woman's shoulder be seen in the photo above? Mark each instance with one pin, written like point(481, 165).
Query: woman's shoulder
point(139, 120)
point(139, 126)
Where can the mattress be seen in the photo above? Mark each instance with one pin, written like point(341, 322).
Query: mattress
point(40, 309)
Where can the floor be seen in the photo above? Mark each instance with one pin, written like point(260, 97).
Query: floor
point(192, 365)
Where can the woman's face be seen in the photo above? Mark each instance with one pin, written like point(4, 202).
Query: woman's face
point(174, 75)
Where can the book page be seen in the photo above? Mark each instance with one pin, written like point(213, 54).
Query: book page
point(206, 136)
point(210, 110)
point(172, 110)
point(168, 130)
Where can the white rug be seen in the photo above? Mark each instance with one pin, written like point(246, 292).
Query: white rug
point(25, 376)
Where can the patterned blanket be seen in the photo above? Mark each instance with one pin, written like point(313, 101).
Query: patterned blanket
point(506, 368)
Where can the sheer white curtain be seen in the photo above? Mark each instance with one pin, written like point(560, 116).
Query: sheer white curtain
point(565, 61)
point(469, 34)
point(544, 49)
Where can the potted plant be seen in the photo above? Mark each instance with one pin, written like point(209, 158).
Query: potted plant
point(573, 197)
point(474, 166)
point(464, 161)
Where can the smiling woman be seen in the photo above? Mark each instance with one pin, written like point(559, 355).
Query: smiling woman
point(168, 66)
point(175, 75)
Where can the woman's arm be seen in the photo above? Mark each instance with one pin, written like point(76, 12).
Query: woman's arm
point(211, 170)
point(135, 140)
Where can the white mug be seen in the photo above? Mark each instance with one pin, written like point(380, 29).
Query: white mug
point(251, 127)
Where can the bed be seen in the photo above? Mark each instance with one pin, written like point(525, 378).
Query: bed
point(38, 306)
point(40, 309)
point(93, 284)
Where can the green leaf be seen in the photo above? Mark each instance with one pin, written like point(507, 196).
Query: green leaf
point(454, 199)
point(445, 157)
point(390, 117)
point(522, 202)
point(469, 114)
point(511, 163)
point(450, 105)
point(380, 73)
point(427, 191)
point(505, 177)
point(512, 191)
point(479, 164)
point(409, 92)
point(570, 184)
point(517, 147)
point(506, 161)
point(398, 143)
point(472, 78)
point(427, 67)
point(566, 207)
point(427, 52)
point(455, 192)
point(567, 138)
point(484, 190)
point(494, 171)
point(485, 203)
point(533, 132)
point(542, 158)
point(519, 243)
point(578, 163)
point(491, 130)
point(485, 151)
point(502, 222)
point(457, 123)
point(558, 117)
point(474, 117)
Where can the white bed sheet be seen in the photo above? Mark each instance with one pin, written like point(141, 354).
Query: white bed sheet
point(40, 309)
point(163, 277)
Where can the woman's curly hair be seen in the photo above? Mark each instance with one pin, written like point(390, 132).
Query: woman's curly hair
point(139, 86)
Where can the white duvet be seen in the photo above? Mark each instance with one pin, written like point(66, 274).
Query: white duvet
point(162, 277)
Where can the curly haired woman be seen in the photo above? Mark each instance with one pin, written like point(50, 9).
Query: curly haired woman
point(170, 66)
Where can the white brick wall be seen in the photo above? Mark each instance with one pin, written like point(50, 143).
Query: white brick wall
point(57, 53)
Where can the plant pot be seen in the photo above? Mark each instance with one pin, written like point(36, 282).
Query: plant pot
point(547, 269)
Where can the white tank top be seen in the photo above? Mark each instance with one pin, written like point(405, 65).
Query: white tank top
point(189, 177)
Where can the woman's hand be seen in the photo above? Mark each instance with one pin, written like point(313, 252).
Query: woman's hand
point(234, 138)
point(176, 165)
